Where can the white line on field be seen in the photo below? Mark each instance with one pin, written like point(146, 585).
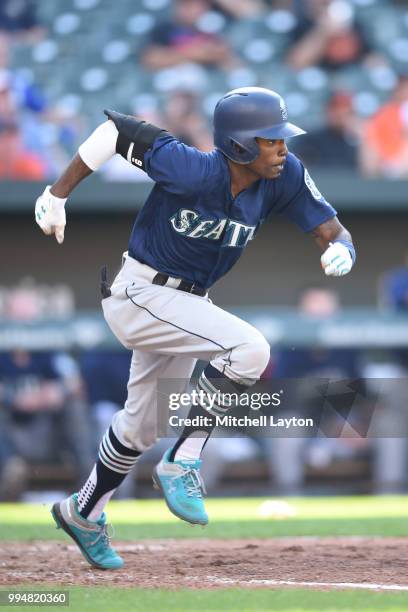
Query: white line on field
point(296, 583)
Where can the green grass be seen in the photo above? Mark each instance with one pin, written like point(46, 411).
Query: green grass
point(229, 518)
point(260, 600)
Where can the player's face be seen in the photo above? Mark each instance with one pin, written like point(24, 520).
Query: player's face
point(272, 156)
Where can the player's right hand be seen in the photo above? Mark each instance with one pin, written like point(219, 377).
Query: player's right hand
point(50, 214)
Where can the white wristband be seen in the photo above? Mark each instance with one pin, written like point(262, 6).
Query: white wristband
point(55, 199)
point(100, 146)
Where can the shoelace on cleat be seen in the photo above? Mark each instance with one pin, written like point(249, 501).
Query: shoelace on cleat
point(104, 535)
point(193, 482)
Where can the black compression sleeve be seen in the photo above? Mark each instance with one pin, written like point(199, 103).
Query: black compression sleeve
point(135, 137)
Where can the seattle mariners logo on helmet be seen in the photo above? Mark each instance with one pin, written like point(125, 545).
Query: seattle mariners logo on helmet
point(246, 113)
point(284, 110)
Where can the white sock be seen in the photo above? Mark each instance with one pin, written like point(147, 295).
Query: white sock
point(86, 492)
point(190, 449)
point(114, 462)
point(96, 512)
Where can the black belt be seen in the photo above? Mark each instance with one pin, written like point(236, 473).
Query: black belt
point(161, 279)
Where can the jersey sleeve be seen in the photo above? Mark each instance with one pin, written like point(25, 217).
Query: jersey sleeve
point(175, 166)
point(299, 199)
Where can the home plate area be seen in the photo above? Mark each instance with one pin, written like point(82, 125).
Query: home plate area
point(317, 563)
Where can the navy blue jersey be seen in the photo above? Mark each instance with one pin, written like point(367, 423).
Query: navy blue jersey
point(191, 227)
point(22, 372)
point(105, 374)
point(30, 369)
point(314, 363)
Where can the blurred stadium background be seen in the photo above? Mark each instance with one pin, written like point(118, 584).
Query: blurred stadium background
point(342, 66)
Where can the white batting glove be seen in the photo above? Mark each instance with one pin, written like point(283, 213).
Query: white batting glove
point(336, 260)
point(50, 214)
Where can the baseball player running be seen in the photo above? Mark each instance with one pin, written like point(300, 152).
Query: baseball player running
point(193, 227)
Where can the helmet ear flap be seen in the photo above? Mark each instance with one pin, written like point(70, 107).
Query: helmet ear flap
point(244, 153)
point(237, 147)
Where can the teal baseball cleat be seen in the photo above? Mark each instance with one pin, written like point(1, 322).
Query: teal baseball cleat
point(183, 488)
point(91, 536)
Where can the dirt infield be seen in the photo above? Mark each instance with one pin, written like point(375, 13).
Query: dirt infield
point(315, 562)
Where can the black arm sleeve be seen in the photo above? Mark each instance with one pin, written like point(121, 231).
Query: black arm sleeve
point(135, 137)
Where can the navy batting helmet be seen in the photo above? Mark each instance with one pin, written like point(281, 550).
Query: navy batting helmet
point(245, 113)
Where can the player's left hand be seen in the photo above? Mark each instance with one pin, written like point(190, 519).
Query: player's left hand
point(336, 260)
point(50, 214)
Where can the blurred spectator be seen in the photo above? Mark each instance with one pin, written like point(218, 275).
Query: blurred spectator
point(384, 145)
point(287, 456)
point(105, 375)
point(179, 41)
point(22, 104)
point(8, 107)
point(335, 144)
point(394, 289)
point(29, 301)
point(17, 162)
point(327, 35)
point(183, 119)
point(394, 297)
point(19, 91)
point(4, 51)
point(13, 470)
point(388, 380)
point(18, 18)
point(47, 130)
point(44, 413)
point(239, 9)
point(391, 451)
